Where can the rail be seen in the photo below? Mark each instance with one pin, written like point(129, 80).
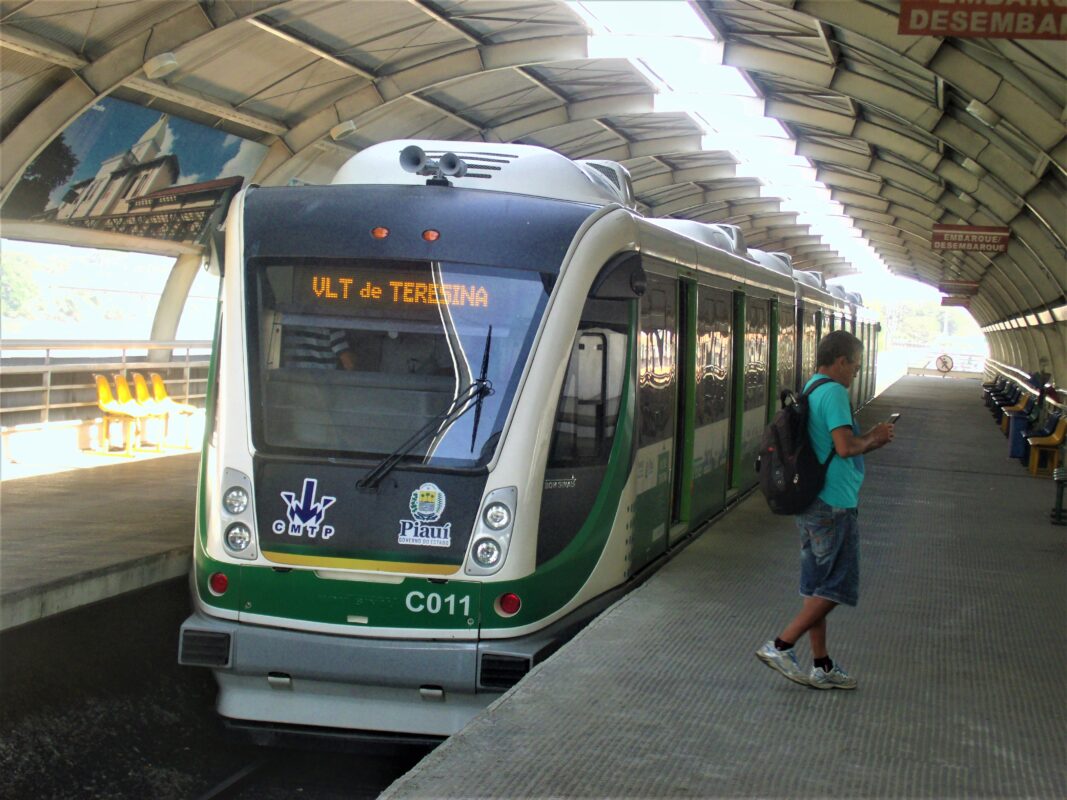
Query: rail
point(40, 383)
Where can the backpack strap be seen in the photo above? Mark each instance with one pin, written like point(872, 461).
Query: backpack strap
point(822, 381)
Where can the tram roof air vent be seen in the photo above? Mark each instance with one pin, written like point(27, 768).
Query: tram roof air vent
point(511, 168)
point(779, 262)
point(725, 237)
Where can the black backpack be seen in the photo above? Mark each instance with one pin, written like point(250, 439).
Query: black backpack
point(790, 474)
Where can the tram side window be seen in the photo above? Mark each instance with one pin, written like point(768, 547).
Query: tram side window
point(588, 409)
point(714, 350)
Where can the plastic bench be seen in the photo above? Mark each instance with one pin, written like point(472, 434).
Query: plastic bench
point(128, 414)
point(1045, 450)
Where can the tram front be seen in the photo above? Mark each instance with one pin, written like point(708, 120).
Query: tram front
point(371, 347)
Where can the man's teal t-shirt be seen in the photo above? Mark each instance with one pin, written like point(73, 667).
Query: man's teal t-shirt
point(829, 408)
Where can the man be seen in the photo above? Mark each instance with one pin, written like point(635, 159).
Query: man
point(316, 348)
point(829, 537)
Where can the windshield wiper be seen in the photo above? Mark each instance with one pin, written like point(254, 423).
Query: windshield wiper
point(470, 397)
point(484, 382)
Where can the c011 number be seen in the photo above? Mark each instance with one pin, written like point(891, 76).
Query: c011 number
point(433, 603)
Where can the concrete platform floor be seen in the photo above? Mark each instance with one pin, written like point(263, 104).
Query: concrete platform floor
point(959, 644)
point(71, 538)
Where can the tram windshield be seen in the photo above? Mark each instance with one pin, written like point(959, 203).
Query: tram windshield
point(354, 357)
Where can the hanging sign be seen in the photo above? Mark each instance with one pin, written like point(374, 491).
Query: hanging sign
point(963, 302)
point(984, 19)
point(983, 239)
point(965, 288)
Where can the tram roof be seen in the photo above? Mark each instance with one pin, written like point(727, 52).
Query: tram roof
point(905, 131)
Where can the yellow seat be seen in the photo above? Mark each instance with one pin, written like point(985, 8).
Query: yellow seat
point(163, 400)
point(1042, 446)
point(149, 412)
point(165, 403)
point(143, 396)
point(127, 414)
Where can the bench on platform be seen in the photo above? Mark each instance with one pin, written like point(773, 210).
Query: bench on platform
point(1045, 450)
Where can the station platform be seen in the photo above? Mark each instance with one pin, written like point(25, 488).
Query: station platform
point(959, 645)
point(74, 537)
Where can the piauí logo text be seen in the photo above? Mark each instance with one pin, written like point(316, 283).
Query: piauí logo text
point(427, 504)
point(306, 514)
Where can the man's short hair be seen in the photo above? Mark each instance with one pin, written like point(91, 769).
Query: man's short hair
point(836, 344)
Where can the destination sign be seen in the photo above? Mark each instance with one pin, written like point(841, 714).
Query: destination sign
point(384, 291)
point(984, 239)
point(984, 19)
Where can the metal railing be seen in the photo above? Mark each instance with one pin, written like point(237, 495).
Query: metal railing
point(51, 380)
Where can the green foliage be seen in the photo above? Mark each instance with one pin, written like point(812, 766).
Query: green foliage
point(19, 295)
point(51, 169)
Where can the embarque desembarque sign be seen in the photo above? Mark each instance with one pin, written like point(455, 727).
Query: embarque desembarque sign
point(981, 238)
point(984, 19)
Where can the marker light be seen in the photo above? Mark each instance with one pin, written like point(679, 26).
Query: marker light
point(235, 500)
point(218, 583)
point(431, 235)
point(379, 232)
point(497, 516)
point(238, 537)
point(508, 605)
point(486, 552)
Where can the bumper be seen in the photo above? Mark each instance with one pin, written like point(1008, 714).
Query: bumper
point(296, 678)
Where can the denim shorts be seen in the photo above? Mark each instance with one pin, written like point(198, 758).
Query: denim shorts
point(829, 553)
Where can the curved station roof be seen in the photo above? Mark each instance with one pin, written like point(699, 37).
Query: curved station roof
point(904, 131)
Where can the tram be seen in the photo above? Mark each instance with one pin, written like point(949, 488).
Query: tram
point(461, 400)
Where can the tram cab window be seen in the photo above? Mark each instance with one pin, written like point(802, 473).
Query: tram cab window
point(588, 408)
point(587, 416)
point(355, 356)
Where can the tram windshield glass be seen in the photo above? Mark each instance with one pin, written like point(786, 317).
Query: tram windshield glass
point(354, 357)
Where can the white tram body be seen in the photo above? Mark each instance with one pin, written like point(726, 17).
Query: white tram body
point(461, 400)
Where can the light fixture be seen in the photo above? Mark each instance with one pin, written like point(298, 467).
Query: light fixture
point(235, 501)
point(342, 129)
point(487, 552)
point(238, 537)
point(160, 66)
point(497, 516)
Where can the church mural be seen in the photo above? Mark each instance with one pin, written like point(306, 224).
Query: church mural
point(127, 169)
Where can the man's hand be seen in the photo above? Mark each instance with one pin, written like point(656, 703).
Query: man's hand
point(847, 444)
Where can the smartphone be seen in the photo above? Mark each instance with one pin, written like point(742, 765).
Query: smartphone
point(893, 419)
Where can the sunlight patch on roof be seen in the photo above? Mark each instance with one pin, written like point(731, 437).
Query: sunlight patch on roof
point(675, 50)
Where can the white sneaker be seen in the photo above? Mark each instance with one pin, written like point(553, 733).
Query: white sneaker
point(784, 661)
point(836, 678)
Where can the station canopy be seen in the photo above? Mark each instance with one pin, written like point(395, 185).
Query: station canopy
point(905, 132)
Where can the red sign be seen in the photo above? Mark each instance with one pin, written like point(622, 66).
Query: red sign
point(965, 302)
point(971, 237)
point(984, 19)
point(958, 287)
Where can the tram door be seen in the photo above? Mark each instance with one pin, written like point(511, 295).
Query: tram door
point(657, 403)
point(711, 423)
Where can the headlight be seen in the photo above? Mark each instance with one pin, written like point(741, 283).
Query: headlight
point(497, 516)
point(238, 537)
point(486, 552)
point(235, 501)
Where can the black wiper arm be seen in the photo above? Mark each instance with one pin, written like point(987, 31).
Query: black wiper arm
point(460, 406)
point(484, 383)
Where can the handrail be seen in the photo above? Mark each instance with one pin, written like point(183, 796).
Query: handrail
point(102, 344)
point(42, 358)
